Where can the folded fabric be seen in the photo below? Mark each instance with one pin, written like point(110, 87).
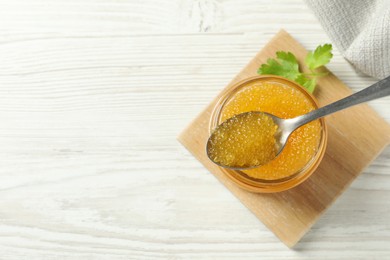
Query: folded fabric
point(360, 30)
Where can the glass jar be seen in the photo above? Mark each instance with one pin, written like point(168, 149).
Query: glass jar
point(275, 185)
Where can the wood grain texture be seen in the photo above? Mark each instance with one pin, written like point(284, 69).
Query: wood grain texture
point(92, 96)
point(356, 137)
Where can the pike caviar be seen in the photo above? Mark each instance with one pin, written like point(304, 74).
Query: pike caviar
point(285, 102)
point(244, 141)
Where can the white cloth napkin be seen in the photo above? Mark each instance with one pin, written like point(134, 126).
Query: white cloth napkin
point(360, 29)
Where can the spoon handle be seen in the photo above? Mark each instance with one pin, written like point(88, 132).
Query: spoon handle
point(375, 91)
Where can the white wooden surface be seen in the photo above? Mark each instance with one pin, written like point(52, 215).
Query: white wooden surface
point(92, 96)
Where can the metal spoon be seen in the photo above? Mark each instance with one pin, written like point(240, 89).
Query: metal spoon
point(287, 126)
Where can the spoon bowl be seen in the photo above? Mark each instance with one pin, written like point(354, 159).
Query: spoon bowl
point(280, 136)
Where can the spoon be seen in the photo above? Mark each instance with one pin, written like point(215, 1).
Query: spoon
point(286, 126)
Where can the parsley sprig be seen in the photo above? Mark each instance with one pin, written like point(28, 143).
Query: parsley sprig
point(286, 65)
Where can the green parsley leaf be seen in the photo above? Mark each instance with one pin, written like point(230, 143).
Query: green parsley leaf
point(319, 57)
point(304, 81)
point(286, 65)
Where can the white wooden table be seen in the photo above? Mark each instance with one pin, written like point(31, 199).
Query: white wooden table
point(92, 96)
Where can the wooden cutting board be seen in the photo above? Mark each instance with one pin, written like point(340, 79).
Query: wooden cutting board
point(356, 137)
